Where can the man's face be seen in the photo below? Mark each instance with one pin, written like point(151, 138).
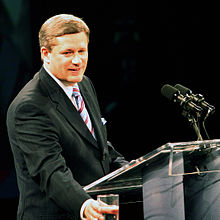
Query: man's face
point(68, 58)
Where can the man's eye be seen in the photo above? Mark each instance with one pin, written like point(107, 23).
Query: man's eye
point(82, 51)
point(66, 53)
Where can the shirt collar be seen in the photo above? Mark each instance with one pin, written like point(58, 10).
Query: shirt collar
point(67, 89)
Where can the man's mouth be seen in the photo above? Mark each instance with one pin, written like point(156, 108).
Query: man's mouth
point(75, 69)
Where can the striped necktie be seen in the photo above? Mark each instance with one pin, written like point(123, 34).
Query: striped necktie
point(82, 109)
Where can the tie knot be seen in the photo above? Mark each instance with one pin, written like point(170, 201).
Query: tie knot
point(76, 92)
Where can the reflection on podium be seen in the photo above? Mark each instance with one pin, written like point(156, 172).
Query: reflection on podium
point(176, 181)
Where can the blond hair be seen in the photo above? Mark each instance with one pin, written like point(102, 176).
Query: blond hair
point(60, 25)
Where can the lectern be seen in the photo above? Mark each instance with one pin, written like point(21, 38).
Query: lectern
point(177, 181)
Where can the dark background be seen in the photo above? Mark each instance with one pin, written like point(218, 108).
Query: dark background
point(135, 48)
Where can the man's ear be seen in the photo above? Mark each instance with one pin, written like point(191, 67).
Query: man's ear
point(45, 54)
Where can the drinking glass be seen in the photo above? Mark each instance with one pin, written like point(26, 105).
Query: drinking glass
point(110, 199)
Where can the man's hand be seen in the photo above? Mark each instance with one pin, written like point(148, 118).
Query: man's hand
point(95, 210)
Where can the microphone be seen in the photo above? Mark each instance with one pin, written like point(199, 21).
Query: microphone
point(198, 98)
point(174, 95)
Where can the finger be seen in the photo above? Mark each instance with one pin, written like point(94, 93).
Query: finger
point(93, 211)
point(94, 218)
point(101, 203)
point(96, 206)
point(110, 209)
point(92, 214)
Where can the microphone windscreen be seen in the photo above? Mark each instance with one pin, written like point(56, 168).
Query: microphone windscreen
point(168, 91)
point(183, 90)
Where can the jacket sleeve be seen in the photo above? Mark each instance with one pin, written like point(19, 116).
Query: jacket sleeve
point(116, 159)
point(38, 140)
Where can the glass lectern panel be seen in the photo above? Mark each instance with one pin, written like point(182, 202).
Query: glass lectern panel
point(184, 158)
point(199, 157)
point(127, 177)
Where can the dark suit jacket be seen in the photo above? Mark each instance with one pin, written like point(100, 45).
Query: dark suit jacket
point(54, 152)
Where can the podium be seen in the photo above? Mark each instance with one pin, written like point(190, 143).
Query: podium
point(177, 181)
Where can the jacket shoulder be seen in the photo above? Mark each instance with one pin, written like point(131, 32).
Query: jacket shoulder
point(31, 93)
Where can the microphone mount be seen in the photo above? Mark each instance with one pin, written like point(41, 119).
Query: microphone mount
point(197, 99)
point(193, 106)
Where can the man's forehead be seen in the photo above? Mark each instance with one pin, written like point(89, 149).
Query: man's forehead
point(70, 42)
point(73, 38)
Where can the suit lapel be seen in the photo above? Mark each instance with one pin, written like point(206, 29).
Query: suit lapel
point(65, 107)
point(94, 113)
point(74, 118)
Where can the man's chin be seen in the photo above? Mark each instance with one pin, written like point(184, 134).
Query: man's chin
point(74, 80)
point(77, 78)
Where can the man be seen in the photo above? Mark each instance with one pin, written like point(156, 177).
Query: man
point(58, 137)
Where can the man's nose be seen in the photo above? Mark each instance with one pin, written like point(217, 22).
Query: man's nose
point(76, 59)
